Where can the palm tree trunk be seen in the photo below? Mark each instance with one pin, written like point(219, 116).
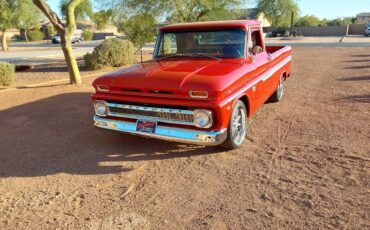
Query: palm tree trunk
point(25, 35)
point(4, 41)
point(74, 73)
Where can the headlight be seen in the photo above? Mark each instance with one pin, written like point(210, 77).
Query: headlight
point(101, 108)
point(203, 118)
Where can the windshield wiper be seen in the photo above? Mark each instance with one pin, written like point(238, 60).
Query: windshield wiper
point(172, 55)
point(205, 55)
point(190, 55)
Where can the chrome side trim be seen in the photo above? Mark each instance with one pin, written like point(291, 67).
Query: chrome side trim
point(276, 68)
point(190, 136)
point(263, 77)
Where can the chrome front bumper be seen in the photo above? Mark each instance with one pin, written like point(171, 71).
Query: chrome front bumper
point(190, 136)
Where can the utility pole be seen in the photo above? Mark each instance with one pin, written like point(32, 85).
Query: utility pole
point(292, 22)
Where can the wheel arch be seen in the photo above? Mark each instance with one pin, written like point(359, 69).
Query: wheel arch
point(285, 75)
point(245, 100)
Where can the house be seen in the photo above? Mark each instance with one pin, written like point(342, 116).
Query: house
point(252, 13)
point(80, 25)
point(10, 33)
point(110, 30)
point(363, 18)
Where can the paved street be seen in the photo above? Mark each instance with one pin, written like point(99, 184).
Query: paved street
point(41, 53)
point(349, 41)
point(45, 53)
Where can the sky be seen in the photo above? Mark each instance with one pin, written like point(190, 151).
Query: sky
point(329, 9)
point(334, 8)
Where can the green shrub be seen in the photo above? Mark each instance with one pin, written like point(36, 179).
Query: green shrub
point(91, 62)
point(35, 35)
point(51, 30)
point(7, 72)
point(17, 37)
point(87, 35)
point(112, 52)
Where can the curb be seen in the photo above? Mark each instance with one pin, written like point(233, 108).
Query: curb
point(48, 83)
point(342, 39)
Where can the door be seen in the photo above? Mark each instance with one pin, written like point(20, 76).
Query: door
point(261, 64)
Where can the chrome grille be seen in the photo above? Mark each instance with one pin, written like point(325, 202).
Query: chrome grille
point(167, 115)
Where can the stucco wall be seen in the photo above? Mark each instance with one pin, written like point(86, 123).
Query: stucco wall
point(313, 31)
point(316, 31)
point(356, 29)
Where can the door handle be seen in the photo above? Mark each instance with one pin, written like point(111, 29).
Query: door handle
point(269, 57)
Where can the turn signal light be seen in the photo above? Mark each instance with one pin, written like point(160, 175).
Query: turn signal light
point(198, 94)
point(102, 88)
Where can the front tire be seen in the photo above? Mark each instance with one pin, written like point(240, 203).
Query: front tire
point(237, 126)
point(278, 94)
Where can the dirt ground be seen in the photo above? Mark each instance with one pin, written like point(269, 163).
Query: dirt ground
point(57, 71)
point(49, 72)
point(305, 163)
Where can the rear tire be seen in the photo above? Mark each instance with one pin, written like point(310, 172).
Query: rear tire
point(237, 129)
point(278, 94)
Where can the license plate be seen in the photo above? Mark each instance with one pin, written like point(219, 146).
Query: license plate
point(146, 126)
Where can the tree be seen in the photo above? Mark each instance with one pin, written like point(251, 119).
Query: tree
point(309, 20)
point(139, 29)
point(278, 12)
point(178, 10)
point(29, 17)
point(8, 18)
point(339, 21)
point(200, 10)
point(83, 10)
point(65, 32)
point(102, 18)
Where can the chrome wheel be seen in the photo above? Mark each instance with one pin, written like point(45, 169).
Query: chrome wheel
point(280, 89)
point(279, 93)
point(237, 128)
point(238, 125)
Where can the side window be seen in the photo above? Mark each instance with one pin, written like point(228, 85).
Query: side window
point(168, 44)
point(255, 43)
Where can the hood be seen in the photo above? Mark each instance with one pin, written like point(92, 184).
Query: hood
point(176, 76)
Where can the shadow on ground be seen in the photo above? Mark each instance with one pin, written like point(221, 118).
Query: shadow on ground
point(365, 98)
point(42, 86)
point(357, 61)
point(361, 55)
point(358, 67)
point(52, 68)
point(56, 135)
point(362, 78)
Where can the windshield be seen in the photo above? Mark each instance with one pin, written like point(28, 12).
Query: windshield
point(205, 44)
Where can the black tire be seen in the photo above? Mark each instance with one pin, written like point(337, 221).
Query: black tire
point(235, 140)
point(278, 94)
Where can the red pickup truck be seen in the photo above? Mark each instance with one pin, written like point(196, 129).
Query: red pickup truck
point(205, 80)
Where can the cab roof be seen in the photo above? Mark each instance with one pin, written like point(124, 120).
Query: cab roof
point(230, 24)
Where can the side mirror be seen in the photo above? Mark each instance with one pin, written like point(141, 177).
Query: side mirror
point(269, 57)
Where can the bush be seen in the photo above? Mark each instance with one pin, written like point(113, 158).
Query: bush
point(7, 72)
point(112, 52)
point(35, 35)
point(51, 30)
point(87, 35)
point(17, 37)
